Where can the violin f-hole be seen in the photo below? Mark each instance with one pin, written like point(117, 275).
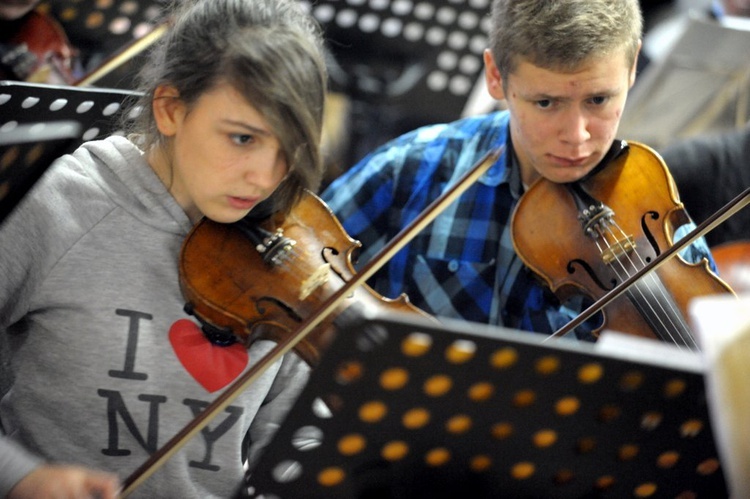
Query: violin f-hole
point(653, 215)
point(585, 267)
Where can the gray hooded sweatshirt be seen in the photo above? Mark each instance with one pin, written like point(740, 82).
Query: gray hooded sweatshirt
point(105, 364)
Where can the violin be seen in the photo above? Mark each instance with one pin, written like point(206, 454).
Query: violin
point(38, 52)
point(594, 234)
point(266, 277)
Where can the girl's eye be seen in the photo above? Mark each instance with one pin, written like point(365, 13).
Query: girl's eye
point(241, 139)
point(599, 100)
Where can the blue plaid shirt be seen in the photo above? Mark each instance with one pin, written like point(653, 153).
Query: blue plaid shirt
point(462, 265)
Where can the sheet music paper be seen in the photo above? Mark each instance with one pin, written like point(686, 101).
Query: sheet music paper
point(722, 324)
point(652, 351)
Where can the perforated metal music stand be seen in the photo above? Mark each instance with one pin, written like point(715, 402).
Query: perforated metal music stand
point(404, 408)
point(402, 63)
point(102, 29)
point(39, 123)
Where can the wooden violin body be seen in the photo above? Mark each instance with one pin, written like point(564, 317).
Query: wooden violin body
point(237, 291)
point(588, 237)
point(733, 261)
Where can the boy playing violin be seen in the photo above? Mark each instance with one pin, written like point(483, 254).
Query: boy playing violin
point(563, 69)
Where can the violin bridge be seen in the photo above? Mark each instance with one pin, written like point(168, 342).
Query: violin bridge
point(618, 250)
point(316, 280)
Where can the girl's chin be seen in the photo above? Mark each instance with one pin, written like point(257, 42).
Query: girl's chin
point(226, 216)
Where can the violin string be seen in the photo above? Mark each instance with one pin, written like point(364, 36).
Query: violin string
point(653, 299)
point(677, 321)
point(681, 325)
point(655, 282)
point(621, 277)
point(639, 289)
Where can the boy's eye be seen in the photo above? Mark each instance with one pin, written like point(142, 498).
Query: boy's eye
point(598, 100)
point(544, 103)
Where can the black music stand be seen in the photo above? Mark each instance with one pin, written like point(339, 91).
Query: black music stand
point(402, 63)
point(404, 408)
point(39, 123)
point(100, 30)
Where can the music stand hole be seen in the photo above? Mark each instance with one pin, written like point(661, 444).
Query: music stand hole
point(369, 23)
point(91, 134)
point(458, 424)
point(460, 352)
point(373, 411)
point(401, 7)
point(29, 102)
point(416, 418)
point(394, 378)
point(119, 25)
point(324, 13)
point(287, 471)
point(321, 409)
point(523, 470)
point(111, 109)
point(352, 444)
point(58, 104)
point(349, 372)
point(438, 385)
point(129, 8)
point(391, 27)
point(416, 344)
point(346, 18)
point(395, 451)
point(567, 406)
point(84, 106)
point(307, 438)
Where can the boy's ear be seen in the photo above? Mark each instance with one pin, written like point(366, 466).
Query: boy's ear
point(493, 77)
point(634, 69)
point(168, 108)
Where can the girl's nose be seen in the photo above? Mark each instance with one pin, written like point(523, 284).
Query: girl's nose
point(267, 172)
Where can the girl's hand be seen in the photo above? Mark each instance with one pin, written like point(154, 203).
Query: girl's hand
point(66, 482)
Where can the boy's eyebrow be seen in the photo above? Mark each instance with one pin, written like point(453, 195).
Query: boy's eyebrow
point(544, 96)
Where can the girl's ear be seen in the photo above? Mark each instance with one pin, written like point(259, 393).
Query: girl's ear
point(493, 77)
point(169, 110)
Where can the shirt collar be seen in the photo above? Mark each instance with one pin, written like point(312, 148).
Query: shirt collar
point(501, 171)
point(514, 173)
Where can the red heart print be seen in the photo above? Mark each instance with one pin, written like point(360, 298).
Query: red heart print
point(213, 366)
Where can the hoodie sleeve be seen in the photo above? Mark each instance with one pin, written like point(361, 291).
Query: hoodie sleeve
point(20, 267)
point(32, 237)
point(15, 463)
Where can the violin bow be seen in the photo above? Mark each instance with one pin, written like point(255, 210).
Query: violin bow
point(725, 212)
point(281, 348)
point(125, 54)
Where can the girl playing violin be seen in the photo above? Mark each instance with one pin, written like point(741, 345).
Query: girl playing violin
point(106, 364)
